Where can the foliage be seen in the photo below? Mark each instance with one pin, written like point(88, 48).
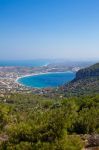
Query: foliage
point(38, 123)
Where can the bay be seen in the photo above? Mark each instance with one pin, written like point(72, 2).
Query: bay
point(47, 80)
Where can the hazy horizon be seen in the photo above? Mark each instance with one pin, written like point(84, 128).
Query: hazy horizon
point(49, 29)
point(56, 59)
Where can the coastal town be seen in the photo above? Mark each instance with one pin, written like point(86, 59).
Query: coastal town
point(9, 77)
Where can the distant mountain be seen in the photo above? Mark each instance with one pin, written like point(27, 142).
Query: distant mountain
point(85, 82)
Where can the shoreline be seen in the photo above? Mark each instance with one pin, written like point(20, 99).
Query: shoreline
point(28, 75)
point(36, 74)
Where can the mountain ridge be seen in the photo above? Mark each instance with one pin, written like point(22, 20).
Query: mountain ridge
point(92, 71)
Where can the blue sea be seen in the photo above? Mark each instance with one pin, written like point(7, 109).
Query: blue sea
point(42, 80)
point(26, 63)
point(47, 80)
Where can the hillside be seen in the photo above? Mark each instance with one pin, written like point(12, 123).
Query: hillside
point(92, 71)
point(85, 82)
point(33, 122)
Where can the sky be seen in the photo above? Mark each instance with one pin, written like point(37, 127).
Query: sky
point(33, 29)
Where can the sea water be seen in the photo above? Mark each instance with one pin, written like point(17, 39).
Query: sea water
point(26, 63)
point(41, 80)
point(47, 80)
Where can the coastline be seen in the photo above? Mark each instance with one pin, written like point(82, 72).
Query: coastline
point(36, 74)
point(28, 75)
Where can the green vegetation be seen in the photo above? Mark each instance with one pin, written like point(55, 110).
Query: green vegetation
point(86, 82)
point(32, 122)
point(80, 87)
point(55, 121)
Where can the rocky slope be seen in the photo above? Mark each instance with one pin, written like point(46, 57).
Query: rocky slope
point(92, 71)
point(85, 82)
